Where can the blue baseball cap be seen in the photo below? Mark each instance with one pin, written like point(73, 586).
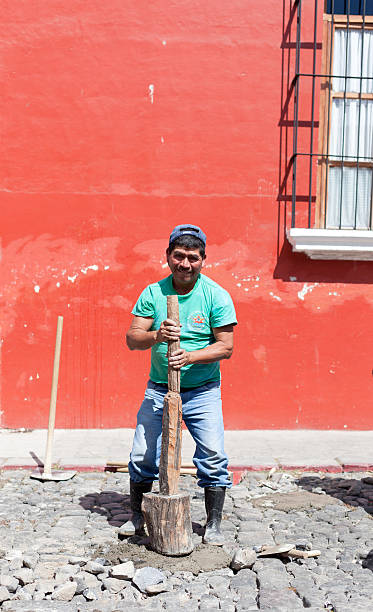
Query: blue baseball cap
point(187, 228)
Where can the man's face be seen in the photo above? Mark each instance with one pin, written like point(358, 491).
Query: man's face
point(185, 265)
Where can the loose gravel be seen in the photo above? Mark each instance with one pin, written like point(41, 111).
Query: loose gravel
point(61, 548)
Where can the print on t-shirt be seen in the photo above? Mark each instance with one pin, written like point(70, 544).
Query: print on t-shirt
point(197, 320)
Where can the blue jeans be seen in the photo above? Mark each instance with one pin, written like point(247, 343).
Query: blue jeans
point(202, 414)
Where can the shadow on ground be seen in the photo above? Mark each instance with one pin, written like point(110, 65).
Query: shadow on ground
point(355, 492)
point(352, 491)
point(368, 561)
point(116, 508)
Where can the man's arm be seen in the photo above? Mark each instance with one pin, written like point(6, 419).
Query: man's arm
point(221, 349)
point(140, 337)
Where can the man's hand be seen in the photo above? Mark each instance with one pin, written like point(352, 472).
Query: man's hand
point(168, 330)
point(140, 337)
point(222, 348)
point(179, 358)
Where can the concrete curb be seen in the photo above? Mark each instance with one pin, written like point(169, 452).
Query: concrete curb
point(88, 450)
point(237, 471)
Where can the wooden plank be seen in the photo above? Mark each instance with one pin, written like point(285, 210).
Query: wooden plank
point(351, 95)
point(324, 94)
point(183, 471)
point(328, 116)
point(350, 163)
point(353, 19)
point(125, 464)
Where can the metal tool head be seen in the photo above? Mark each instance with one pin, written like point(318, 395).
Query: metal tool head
point(55, 475)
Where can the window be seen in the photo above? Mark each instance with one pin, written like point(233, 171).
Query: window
point(345, 166)
point(345, 7)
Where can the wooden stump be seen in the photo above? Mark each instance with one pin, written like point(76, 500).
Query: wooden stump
point(169, 523)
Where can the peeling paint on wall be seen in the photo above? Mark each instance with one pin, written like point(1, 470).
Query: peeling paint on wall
point(307, 288)
point(275, 297)
point(81, 161)
point(151, 93)
point(260, 354)
point(42, 263)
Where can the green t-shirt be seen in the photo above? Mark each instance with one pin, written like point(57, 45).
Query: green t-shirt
point(207, 306)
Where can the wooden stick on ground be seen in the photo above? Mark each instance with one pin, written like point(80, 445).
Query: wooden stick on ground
point(167, 515)
point(124, 464)
point(183, 471)
point(302, 554)
point(47, 473)
point(52, 407)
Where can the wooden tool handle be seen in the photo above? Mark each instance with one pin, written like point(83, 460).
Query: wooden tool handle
point(173, 313)
point(302, 554)
point(170, 460)
point(52, 407)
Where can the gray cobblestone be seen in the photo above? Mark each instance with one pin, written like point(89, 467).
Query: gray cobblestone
point(209, 603)
point(49, 535)
point(279, 597)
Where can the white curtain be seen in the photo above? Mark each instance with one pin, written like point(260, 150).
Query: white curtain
point(351, 135)
point(349, 45)
point(349, 198)
point(349, 189)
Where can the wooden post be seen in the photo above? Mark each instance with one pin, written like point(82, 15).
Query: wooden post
point(167, 515)
point(170, 462)
point(173, 345)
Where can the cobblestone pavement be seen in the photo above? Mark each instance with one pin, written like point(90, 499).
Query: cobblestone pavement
point(53, 538)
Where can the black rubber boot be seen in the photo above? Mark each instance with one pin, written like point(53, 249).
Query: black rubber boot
point(136, 524)
point(214, 502)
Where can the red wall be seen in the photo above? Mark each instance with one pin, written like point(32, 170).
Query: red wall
point(120, 120)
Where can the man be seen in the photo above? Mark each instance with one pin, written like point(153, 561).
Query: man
point(207, 318)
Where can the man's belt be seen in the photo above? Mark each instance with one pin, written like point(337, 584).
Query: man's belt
point(182, 389)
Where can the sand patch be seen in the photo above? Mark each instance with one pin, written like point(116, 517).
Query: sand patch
point(204, 558)
point(297, 500)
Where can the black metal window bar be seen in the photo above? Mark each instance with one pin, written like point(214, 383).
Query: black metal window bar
point(332, 159)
